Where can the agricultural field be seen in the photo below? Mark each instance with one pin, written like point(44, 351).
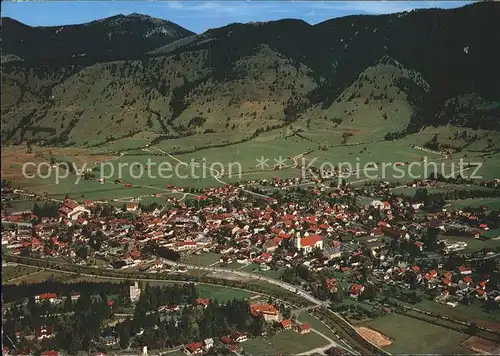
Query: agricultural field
point(474, 244)
point(356, 157)
point(269, 145)
point(412, 336)
point(316, 324)
point(286, 342)
point(441, 188)
point(176, 353)
point(42, 275)
point(473, 312)
point(493, 203)
point(253, 268)
point(135, 142)
point(12, 273)
point(97, 191)
point(204, 259)
point(219, 165)
point(221, 294)
point(197, 141)
point(18, 205)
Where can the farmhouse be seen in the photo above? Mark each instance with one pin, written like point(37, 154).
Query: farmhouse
point(70, 209)
point(304, 328)
point(49, 297)
point(194, 348)
point(356, 290)
point(286, 324)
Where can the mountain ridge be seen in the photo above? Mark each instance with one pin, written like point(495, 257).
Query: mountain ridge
point(112, 38)
point(252, 77)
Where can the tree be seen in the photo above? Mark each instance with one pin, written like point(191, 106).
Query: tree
point(345, 137)
point(339, 295)
point(369, 292)
point(472, 329)
point(431, 239)
point(124, 333)
point(68, 304)
point(286, 312)
point(76, 342)
point(82, 252)
point(257, 326)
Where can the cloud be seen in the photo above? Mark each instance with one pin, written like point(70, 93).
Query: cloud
point(233, 8)
point(378, 7)
point(243, 11)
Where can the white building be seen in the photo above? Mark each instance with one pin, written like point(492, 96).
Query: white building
point(209, 343)
point(72, 210)
point(308, 243)
point(135, 292)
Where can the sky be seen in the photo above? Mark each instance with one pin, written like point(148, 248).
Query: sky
point(199, 16)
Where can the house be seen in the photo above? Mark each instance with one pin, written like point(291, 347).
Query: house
point(484, 227)
point(226, 340)
point(50, 297)
point(232, 348)
point(239, 337)
point(304, 328)
point(334, 251)
point(380, 205)
point(286, 324)
point(266, 311)
point(468, 280)
point(331, 285)
point(464, 270)
point(264, 258)
point(50, 353)
point(70, 209)
point(308, 243)
point(481, 294)
point(194, 348)
point(109, 340)
point(132, 206)
point(44, 332)
point(209, 343)
point(356, 290)
point(202, 302)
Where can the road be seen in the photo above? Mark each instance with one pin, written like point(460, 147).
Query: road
point(216, 176)
point(322, 349)
point(248, 275)
point(227, 274)
point(281, 284)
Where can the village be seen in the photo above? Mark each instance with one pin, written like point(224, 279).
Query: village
point(366, 256)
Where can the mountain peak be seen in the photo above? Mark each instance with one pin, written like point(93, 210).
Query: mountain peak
point(116, 37)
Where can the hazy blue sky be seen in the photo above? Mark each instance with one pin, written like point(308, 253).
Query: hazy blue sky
point(199, 16)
